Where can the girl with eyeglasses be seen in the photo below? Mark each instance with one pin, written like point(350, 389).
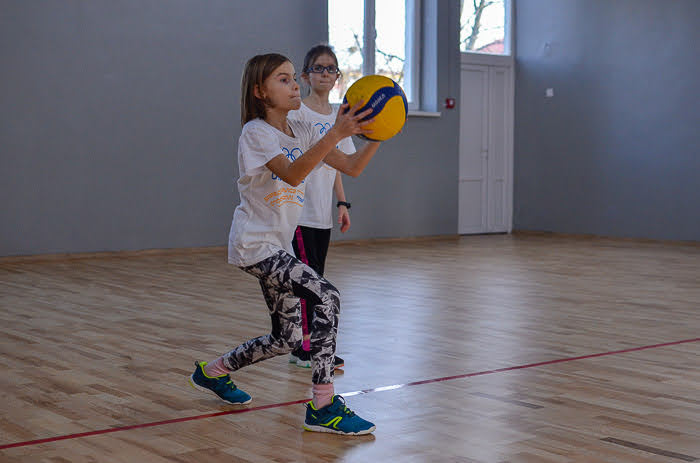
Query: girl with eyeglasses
point(312, 237)
point(275, 155)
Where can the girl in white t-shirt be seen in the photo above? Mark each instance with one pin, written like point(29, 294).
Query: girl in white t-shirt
point(312, 237)
point(275, 155)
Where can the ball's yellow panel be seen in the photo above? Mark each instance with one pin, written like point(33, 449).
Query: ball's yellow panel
point(387, 100)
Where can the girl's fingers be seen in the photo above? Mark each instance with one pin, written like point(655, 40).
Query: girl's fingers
point(361, 130)
point(355, 118)
point(363, 114)
point(356, 107)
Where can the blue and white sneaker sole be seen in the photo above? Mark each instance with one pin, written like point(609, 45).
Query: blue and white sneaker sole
point(204, 389)
point(313, 428)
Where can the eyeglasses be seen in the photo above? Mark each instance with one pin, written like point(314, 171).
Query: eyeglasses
point(318, 69)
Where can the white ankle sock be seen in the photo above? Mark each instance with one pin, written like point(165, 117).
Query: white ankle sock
point(323, 394)
point(216, 368)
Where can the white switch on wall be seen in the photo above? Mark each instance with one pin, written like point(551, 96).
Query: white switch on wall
point(549, 93)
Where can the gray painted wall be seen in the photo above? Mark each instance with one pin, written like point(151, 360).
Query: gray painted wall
point(616, 151)
point(119, 123)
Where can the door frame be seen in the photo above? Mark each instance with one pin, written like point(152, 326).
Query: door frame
point(507, 61)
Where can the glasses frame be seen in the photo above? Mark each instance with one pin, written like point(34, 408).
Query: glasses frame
point(332, 69)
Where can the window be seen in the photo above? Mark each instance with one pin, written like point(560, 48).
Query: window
point(484, 26)
point(376, 37)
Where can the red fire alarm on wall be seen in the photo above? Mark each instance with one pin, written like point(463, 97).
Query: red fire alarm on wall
point(449, 103)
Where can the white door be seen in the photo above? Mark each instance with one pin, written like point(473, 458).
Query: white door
point(498, 199)
point(485, 149)
point(473, 149)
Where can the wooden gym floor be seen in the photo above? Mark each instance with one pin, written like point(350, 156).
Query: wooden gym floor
point(507, 348)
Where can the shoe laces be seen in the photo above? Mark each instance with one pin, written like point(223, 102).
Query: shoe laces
point(346, 410)
point(340, 399)
point(232, 386)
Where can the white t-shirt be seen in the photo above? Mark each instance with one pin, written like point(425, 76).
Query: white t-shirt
point(265, 220)
point(318, 206)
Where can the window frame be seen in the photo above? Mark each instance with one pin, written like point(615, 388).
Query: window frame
point(507, 34)
point(413, 38)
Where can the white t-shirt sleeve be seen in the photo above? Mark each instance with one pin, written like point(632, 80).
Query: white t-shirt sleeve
point(256, 147)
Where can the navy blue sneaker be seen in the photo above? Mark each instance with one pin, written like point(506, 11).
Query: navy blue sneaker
point(220, 385)
point(336, 418)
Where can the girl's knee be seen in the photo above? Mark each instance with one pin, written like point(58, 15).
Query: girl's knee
point(285, 346)
point(288, 340)
point(294, 345)
point(294, 339)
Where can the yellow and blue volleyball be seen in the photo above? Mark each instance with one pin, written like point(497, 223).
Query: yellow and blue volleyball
point(388, 103)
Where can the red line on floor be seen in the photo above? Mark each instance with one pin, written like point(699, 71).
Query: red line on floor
point(347, 394)
point(520, 367)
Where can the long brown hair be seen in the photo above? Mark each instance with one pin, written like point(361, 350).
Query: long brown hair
point(257, 69)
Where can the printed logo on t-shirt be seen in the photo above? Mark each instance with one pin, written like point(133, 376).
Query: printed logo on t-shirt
point(323, 127)
point(286, 194)
point(291, 156)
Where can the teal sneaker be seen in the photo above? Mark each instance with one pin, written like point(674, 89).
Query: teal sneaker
point(220, 385)
point(336, 418)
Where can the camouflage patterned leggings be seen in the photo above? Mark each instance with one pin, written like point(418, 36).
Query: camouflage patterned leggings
point(284, 279)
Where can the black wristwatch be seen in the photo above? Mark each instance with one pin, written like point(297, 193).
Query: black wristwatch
point(343, 203)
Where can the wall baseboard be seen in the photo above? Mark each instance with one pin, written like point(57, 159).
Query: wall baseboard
point(110, 254)
point(359, 242)
point(592, 237)
point(196, 250)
